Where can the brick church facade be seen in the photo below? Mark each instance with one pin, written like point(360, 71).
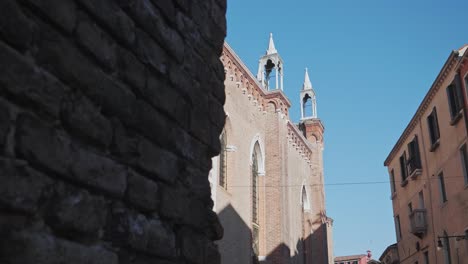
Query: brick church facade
point(267, 183)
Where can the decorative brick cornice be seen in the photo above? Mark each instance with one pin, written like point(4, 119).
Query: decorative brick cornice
point(297, 138)
point(450, 65)
point(238, 72)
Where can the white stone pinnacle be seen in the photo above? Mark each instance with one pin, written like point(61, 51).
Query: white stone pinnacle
point(307, 84)
point(271, 46)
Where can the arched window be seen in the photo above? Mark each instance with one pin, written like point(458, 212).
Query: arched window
point(305, 199)
point(222, 180)
point(255, 199)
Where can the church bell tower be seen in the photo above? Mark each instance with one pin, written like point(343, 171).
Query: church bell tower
point(310, 124)
point(270, 68)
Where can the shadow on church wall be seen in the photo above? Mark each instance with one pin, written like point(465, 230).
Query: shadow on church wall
point(235, 247)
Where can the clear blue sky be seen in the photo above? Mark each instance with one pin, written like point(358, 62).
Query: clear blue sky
point(370, 63)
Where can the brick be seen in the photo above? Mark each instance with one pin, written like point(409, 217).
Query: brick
point(143, 234)
point(142, 192)
point(150, 52)
point(179, 206)
point(96, 41)
point(174, 203)
point(151, 20)
point(37, 89)
point(75, 210)
point(159, 94)
point(109, 14)
point(12, 221)
point(197, 249)
point(131, 70)
point(128, 257)
point(184, 5)
point(22, 187)
point(84, 119)
point(25, 247)
point(124, 144)
point(5, 125)
point(19, 36)
point(157, 163)
point(56, 152)
point(151, 237)
point(61, 57)
point(167, 8)
point(61, 12)
point(216, 113)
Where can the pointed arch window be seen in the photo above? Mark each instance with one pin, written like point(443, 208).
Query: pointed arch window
point(255, 201)
point(305, 199)
point(254, 188)
point(222, 180)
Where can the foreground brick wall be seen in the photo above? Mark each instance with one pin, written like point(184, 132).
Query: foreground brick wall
point(110, 112)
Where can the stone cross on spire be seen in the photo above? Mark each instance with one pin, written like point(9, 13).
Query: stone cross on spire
point(307, 84)
point(271, 46)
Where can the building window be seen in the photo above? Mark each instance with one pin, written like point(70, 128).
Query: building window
point(421, 200)
point(392, 181)
point(223, 161)
point(454, 99)
point(255, 198)
point(446, 244)
point(355, 262)
point(426, 257)
point(410, 208)
point(254, 188)
point(466, 84)
point(443, 194)
point(414, 159)
point(464, 160)
point(433, 125)
point(305, 199)
point(404, 172)
point(398, 227)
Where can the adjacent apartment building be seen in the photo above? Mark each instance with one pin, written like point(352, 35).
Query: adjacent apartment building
point(267, 183)
point(428, 168)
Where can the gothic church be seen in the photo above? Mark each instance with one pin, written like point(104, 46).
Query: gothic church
point(267, 183)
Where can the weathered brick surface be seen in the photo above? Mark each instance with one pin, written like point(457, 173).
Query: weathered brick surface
point(110, 112)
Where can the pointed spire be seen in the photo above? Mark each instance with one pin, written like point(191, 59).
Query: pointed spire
point(307, 84)
point(271, 46)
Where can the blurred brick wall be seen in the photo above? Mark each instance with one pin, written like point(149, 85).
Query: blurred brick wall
point(110, 112)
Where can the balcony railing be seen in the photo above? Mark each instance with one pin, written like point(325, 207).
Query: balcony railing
point(418, 222)
point(414, 167)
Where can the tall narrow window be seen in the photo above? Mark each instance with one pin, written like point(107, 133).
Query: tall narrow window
point(410, 208)
point(426, 257)
point(255, 227)
point(223, 162)
point(466, 84)
point(443, 195)
point(464, 161)
point(392, 181)
point(414, 160)
point(454, 98)
point(446, 244)
point(433, 126)
point(254, 188)
point(398, 227)
point(404, 172)
point(421, 200)
point(305, 199)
